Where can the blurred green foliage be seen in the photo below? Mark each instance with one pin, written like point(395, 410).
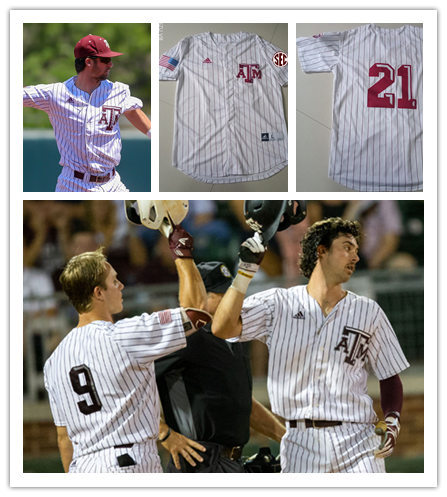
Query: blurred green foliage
point(48, 58)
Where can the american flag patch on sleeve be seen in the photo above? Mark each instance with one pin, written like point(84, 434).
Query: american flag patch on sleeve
point(164, 317)
point(168, 62)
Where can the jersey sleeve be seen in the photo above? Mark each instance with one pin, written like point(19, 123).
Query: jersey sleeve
point(385, 354)
point(38, 97)
point(319, 53)
point(281, 72)
point(151, 336)
point(170, 362)
point(130, 102)
point(170, 63)
point(257, 317)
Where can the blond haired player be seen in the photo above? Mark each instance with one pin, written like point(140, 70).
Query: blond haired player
point(101, 379)
point(321, 340)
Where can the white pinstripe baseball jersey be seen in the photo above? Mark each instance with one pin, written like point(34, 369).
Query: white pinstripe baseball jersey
point(85, 125)
point(229, 118)
point(101, 380)
point(376, 141)
point(317, 364)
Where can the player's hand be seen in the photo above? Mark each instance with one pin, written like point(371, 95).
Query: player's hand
point(389, 434)
point(179, 445)
point(252, 251)
point(180, 243)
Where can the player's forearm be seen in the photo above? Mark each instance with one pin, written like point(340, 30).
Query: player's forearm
point(226, 321)
point(192, 291)
point(139, 120)
point(65, 447)
point(265, 422)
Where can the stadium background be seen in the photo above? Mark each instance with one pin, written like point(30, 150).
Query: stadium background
point(53, 61)
point(54, 231)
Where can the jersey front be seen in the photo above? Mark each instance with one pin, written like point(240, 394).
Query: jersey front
point(229, 118)
point(318, 366)
point(85, 125)
point(206, 388)
point(376, 141)
point(101, 380)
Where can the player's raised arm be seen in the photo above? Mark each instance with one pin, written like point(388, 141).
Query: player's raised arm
point(166, 216)
point(192, 291)
point(227, 322)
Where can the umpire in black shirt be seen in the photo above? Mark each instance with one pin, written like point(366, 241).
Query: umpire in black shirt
point(206, 394)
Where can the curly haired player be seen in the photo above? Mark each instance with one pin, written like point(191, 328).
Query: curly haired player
point(84, 112)
point(101, 379)
point(321, 339)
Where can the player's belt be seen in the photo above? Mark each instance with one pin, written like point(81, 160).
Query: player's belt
point(92, 178)
point(314, 423)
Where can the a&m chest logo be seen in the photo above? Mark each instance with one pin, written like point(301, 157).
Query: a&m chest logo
point(249, 72)
point(354, 343)
point(110, 116)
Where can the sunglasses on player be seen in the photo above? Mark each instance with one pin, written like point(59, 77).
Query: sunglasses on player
point(104, 60)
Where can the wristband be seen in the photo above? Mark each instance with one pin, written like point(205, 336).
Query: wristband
point(166, 436)
point(148, 133)
point(243, 278)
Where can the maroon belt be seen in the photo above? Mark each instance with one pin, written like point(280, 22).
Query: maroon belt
point(313, 423)
point(93, 178)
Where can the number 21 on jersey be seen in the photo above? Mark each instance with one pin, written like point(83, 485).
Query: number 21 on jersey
point(388, 78)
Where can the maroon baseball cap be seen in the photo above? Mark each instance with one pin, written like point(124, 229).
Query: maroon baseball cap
point(93, 45)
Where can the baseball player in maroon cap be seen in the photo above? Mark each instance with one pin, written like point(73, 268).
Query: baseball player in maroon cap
point(84, 112)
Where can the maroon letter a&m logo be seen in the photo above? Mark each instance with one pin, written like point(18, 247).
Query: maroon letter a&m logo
point(110, 116)
point(249, 72)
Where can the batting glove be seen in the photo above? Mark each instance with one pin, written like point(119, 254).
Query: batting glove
point(389, 436)
point(251, 253)
point(193, 319)
point(180, 243)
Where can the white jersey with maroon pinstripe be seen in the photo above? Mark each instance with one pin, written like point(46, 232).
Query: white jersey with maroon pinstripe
point(376, 142)
point(318, 365)
point(86, 128)
point(101, 386)
point(229, 117)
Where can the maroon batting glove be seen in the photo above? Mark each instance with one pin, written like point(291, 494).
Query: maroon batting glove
point(180, 243)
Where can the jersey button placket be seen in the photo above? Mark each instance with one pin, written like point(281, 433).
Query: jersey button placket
point(230, 89)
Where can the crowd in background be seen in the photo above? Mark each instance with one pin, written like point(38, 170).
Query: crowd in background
point(54, 231)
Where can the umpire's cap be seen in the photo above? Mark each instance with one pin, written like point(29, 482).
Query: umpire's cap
point(269, 216)
point(216, 276)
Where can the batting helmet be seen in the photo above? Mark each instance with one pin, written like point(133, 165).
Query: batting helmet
point(269, 216)
point(156, 214)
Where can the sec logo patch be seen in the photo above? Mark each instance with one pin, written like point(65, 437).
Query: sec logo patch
point(280, 59)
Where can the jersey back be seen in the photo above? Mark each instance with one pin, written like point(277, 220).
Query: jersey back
point(376, 141)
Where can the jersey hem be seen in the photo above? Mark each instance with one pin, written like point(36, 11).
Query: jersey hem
point(364, 188)
point(235, 178)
